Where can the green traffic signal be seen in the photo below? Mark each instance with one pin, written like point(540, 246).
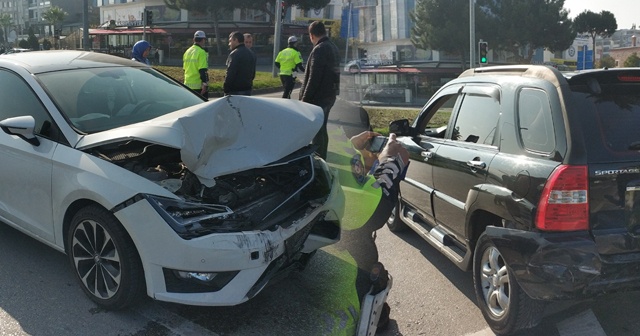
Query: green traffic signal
point(483, 48)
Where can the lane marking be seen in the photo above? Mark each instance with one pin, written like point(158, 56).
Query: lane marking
point(175, 323)
point(483, 332)
point(583, 324)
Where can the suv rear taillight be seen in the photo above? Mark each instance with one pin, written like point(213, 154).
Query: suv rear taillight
point(563, 205)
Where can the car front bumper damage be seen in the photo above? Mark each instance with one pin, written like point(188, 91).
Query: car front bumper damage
point(239, 264)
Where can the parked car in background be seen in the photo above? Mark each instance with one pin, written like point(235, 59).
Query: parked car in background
point(561, 67)
point(533, 185)
point(16, 50)
point(150, 189)
point(356, 65)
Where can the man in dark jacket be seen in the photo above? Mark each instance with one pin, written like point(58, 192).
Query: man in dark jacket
point(241, 67)
point(321, 79)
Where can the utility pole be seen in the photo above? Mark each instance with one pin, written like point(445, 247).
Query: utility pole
point(472, 34)
point(144, 23)
point(85, 25)
point(346, 50)
point(276, 36)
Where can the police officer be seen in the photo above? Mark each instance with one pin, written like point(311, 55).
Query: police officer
point(195, 65)
point(288, 61)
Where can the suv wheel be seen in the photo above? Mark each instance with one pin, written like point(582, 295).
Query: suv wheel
point(505, 306)
point(104, 258)
point(394, 222)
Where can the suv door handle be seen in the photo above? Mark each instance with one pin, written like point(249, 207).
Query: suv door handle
point(476, 164)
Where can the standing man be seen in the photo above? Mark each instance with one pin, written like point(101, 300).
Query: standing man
point(321, 83)
point(195, 65)
point(288, 61)
point(248, 42)
point(241, 67)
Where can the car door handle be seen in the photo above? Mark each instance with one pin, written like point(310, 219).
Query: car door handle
point(476, 164)
point(426, 155)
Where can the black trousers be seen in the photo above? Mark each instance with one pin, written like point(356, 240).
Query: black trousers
point(322, 137)
point(287, 83)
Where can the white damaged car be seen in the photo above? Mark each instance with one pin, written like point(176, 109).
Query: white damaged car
point(147, 188)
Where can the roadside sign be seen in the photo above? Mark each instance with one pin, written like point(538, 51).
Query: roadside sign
point(584, 62)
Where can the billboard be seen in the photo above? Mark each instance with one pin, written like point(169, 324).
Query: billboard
point(350, 28)
point(364, 3)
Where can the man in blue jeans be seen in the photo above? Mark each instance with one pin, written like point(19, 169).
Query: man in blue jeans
point(321, 79)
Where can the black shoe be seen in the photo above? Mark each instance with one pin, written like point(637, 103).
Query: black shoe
point(379, 278)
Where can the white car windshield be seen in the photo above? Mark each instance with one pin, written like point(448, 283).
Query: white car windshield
point(99, 99)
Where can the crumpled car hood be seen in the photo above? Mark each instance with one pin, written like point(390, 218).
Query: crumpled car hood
point(226, 135)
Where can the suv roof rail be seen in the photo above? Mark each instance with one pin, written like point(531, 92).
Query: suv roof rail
point(526, 70)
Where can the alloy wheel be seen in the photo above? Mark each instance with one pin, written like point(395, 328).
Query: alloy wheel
point(96, 259)
point(495, 282)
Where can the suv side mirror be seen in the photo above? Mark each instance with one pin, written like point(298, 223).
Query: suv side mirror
point(401, 127)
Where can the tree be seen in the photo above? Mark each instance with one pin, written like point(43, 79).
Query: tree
point(5, 23)
point(24, 44)
point(54, 15)
point(522, 26)
point(32, 41)
point(632, 61)
point(606, 61)
point(441, 25)
point(603, 24)
point(214, 7)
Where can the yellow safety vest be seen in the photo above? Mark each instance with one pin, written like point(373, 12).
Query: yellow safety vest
point(288, 58)
point(194, 59)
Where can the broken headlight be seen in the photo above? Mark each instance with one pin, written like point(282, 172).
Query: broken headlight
point(190, 219)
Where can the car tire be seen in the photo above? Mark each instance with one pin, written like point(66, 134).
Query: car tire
point(111, 275)
point(505, 306)
point(394, 222)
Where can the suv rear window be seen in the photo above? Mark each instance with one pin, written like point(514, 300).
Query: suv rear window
point(610, 113)
point(534, 121)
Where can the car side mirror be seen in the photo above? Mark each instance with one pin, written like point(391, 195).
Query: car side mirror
point(22, 127)
point(401, 128)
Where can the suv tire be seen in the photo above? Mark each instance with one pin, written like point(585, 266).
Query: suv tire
point(505, 306)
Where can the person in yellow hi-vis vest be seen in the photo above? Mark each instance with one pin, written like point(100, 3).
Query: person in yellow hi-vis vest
point(355, 300)
point(196, 66)
point(288, 61)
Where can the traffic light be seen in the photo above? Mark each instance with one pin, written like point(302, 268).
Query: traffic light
point(149, 18)
point(284, 11)
point(483, 47)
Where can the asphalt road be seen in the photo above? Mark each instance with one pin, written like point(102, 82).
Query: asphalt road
point(430, 296)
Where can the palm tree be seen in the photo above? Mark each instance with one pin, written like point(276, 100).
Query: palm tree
point(5, 23)
point(54, 15)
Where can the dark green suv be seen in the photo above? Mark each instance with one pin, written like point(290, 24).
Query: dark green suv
point(534, 185)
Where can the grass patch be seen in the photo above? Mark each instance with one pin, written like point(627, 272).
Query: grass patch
point(216, 78)
point(379, 118)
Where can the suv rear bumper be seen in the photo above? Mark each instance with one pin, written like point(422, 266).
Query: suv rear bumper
point(552, 266)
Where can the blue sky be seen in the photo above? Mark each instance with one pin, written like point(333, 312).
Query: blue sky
point(626, 12)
